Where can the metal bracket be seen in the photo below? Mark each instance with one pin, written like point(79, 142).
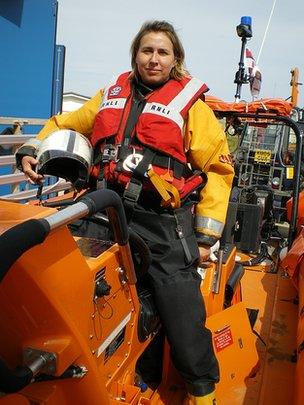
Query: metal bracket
point(40, 361)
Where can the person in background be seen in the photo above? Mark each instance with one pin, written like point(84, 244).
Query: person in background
point(8, 149)
point(157, 144)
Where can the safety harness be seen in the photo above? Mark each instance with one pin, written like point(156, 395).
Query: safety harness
point(136, 163)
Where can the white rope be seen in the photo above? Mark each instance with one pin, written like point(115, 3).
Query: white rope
point(266, 31)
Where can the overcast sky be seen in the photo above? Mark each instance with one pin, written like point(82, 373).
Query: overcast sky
point(97, 35)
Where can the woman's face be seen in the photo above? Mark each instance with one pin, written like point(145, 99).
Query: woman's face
point(155, 58)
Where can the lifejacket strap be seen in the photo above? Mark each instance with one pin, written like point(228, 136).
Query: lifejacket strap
point(131, 194)
point(141, 169)
point(169, 193)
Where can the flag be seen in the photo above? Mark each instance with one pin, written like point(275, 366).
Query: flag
point(254, 74)
point(255, 82)
point(249, 61)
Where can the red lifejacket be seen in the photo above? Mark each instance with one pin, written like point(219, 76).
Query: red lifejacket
point(159, 126)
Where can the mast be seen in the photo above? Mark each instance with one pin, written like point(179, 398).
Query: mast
point(294, 83)
point(244, 31)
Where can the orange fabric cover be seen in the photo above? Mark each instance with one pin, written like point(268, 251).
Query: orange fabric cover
point(267, 105)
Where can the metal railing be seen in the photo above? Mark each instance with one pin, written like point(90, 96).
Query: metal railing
point(59, 186)
point(17, 121)
point(15, 178)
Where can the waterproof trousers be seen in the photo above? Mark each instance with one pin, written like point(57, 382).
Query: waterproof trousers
point(176, 285)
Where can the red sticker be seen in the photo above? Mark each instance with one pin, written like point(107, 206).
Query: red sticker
point(223, 339)
point(114, 91)
point(226, 159)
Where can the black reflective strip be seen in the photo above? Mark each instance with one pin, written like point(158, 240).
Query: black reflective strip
point(71, 143)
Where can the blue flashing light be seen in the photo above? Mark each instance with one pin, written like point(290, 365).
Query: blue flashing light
point(246, 20)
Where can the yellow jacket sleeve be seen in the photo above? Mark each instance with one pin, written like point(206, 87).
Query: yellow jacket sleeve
point(81, 120)
point(207, 150)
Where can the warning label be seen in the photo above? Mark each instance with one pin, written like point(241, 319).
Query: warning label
point(222, 339)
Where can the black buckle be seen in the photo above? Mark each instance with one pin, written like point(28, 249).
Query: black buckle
point(132, 191)
point(110, 153)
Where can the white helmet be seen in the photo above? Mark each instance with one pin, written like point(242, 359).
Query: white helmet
point(68, 154)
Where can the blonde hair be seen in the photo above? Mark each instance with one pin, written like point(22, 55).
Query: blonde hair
point(178, 71)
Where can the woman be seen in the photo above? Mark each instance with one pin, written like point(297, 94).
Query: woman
point(154, 137)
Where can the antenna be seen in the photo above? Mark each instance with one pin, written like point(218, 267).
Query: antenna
point(266, 30)
point(244, 31)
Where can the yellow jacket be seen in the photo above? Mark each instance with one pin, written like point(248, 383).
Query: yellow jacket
point(206, 147)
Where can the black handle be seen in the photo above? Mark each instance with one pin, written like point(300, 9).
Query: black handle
point(17, 240)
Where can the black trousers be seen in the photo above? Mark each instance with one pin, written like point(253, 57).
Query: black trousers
point(176, 285)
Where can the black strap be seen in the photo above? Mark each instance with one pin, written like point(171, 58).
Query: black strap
point(138, 104)
point(134, 187)
point(143, 166)
point(179, 169)
point(131, 195)
point(152, 157)
point(101, 182)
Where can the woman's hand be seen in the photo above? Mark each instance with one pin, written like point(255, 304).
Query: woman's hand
point(29, 164)
point(204, 251)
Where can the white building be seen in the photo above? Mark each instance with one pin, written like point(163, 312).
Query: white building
point(71, 101)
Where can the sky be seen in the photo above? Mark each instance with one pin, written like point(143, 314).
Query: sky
point(97, 35)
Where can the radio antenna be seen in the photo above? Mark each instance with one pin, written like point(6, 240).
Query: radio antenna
point(266, 31)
